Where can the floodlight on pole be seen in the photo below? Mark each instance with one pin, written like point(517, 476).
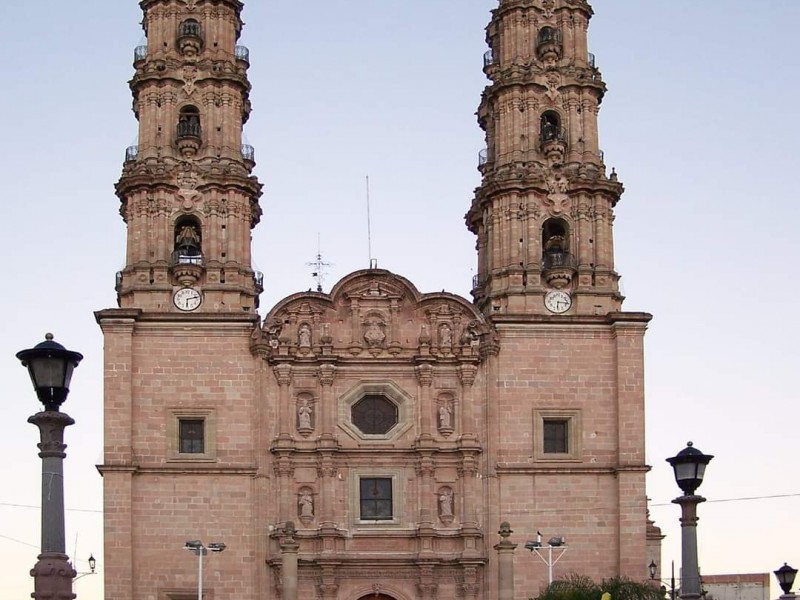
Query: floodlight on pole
point(559, 543)
point(200, 550)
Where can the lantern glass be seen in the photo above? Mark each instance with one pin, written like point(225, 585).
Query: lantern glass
point(786, 576)
point(690, 467)
point(50, 367)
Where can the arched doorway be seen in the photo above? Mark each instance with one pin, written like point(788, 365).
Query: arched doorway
point(376, 596)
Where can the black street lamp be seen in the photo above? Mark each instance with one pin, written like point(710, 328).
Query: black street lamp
point(50, 366)
point(653, 568)
point(786, 575)
point(689, 466)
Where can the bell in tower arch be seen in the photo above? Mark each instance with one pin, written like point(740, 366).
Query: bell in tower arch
point(187, 257)
point(558, 265)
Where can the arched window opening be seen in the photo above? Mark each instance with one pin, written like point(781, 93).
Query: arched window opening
point(555, 240)
point(189, 28)
point(189, 122)
point(190, 37)
point(548, 44)
point(550, 126)
point(188, 241)
point(548, 34)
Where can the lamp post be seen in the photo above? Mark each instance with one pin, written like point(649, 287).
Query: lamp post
point(653, 568)
point(50, 367)
point(198, 548)
point(689, 466)
point(92, 564)
point(786, 575)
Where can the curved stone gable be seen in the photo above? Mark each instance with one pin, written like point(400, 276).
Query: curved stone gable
point(371, 314)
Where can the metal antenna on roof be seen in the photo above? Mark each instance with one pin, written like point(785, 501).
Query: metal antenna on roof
point(373, 264)
point(319, 265)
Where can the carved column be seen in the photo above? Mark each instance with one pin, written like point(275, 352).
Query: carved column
point(326, 472)
point(470, 587)
point(328, 409)
point(466, 375)
point(426, 586)
point(426, 469)
point(425, 378)
point(284, 469)
point(53, 572)
point(283, 374)
point(328, 588)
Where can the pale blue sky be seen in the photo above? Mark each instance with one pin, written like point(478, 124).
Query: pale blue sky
point(700, 122)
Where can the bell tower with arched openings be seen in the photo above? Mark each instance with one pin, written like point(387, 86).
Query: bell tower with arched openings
point(187, 193)
point(543, 213)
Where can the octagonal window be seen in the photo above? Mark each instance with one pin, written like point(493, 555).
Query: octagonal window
point(374, 414)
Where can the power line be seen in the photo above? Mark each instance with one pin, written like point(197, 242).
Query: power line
point(5, 537)
point(83, 510)
point(740, 499)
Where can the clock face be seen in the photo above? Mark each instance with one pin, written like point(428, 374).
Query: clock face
point(187, 299)
point(557, 301)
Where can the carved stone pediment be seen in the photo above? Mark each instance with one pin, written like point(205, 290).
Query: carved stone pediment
point(371, 315)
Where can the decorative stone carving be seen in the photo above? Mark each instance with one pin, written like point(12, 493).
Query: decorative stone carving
point(445, 336)
point(445, 415)
point(305, 506)
point(374, 332)
point(304, 336)
point(445, 504)
point(283, 373)
point(189, 78)
point(305, 415)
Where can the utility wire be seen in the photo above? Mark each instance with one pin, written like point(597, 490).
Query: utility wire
point(741, 499)
point(84, 510)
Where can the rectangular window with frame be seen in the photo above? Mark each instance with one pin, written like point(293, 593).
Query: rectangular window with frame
point(557, 435)
point(376, 498)
point(191, 436)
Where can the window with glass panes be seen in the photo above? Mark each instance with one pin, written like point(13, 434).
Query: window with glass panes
point(556, 436)
point(376, 498)
point(191, 436)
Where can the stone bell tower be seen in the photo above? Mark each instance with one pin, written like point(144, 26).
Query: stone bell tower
point(180, 453)
point(565, 402)
point(187, 195)
point(543, 213)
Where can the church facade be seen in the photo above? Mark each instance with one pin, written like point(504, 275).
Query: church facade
point(370, 442)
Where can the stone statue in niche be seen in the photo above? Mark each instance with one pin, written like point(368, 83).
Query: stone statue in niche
point(445, 336)
point(445, 416)
point(304, 413)
point(305, 504)
point(304, 336)
point(446, 504)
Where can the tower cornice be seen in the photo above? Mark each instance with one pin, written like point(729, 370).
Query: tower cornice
point(193, 5)
point(546, 7)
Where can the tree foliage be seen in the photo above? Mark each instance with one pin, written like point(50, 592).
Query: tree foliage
point(580, 587)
